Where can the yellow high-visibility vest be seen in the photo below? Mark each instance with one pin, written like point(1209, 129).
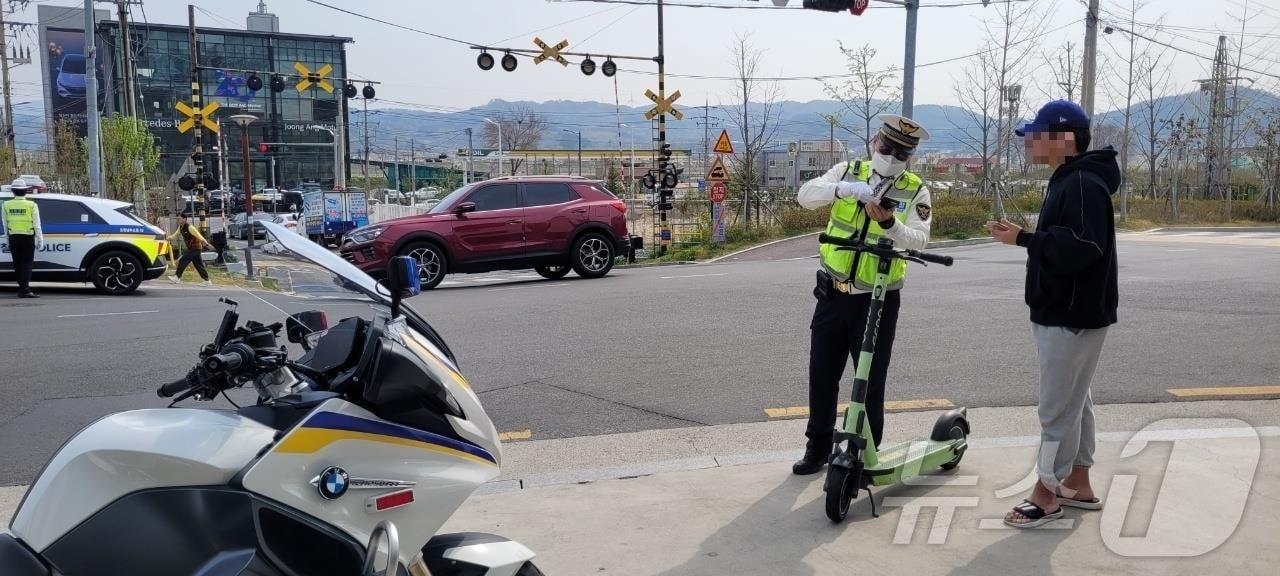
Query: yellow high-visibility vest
point(20, 216)
point(848, 220)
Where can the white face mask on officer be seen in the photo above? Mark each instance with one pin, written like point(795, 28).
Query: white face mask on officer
point(886, 165)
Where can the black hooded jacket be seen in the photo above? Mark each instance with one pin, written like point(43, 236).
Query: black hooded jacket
point(1071, 256)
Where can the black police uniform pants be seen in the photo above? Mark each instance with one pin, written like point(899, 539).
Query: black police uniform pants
point(836, 335)
point(23, 249)
point(193, 258)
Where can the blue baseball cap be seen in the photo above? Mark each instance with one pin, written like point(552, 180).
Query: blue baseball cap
point(1057, 116)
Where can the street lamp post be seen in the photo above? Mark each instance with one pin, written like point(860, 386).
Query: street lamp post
point(244, 120)
point(499, 143)
point(339, 174)
point(579, 133)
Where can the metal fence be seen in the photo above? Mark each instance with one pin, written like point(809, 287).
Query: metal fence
point(380, 212)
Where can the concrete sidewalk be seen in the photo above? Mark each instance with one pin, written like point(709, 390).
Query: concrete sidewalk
point(1200, 497)
point(1195, 493)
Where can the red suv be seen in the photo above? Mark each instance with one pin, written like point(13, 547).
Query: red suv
point(549, 223)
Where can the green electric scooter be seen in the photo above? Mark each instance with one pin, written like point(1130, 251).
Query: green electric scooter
point(855, 463)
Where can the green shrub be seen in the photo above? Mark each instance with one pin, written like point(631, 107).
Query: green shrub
point(797, 220)
point(959, 214)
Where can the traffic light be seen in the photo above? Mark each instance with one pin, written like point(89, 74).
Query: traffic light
point(665, 152)
point(609, 68)
point(349, 90)
point(263, 147)
point(509, 62)
point(855, 7)
point(649, 181)
point(277, 83)
point(671, 177)
point(368, 92)
point(484, 60)
point(588, 66)
point(254, 82)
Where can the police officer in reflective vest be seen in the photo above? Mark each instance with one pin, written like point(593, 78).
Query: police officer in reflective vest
point(22, 225)
point(853, 192)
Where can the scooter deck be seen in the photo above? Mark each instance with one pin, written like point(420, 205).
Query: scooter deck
point(912, 458)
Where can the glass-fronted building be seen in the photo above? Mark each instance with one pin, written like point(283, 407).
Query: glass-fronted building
point(297, 127)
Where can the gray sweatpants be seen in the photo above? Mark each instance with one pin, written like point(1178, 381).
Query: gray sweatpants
point(1068, 357)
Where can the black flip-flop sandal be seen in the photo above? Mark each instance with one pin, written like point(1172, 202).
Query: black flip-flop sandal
point(1091, 504)
point(1035, 515)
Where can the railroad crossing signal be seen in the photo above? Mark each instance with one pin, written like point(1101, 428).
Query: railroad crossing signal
point(550, 52)
point(317, 77)
point(197, 115)
point(718, 173)
point(663, 106)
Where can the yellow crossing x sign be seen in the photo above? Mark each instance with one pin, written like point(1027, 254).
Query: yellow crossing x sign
point(193, 115)
point(663, 106)
point(317, 77)
point(550, 52)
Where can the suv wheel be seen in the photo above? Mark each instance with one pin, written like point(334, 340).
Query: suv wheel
point(592, 256)
point(116, 273)
point(552, 272)
point(431, 262)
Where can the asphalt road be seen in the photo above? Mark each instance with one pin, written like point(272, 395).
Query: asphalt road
point(676, 346)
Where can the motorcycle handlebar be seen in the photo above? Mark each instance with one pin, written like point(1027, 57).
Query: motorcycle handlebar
point(222, 362)
point(172, 388)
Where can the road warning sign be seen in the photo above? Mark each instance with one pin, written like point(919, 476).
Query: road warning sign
point(723, 146)
point(718, 173)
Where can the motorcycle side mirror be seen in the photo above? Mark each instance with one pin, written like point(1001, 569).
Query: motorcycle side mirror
point(299, 326)
point(402, 280)
point(465, 207)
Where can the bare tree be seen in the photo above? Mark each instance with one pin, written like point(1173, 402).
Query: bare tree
point(1064, 66)
point(979, 94)
point(868, 93)
point(1155, 85)
point(1264, 126)
point(1121, 84)
point(521, 130)
point(754, 114)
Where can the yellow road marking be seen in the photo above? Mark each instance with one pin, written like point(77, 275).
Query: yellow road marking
point(890, 406)
point(1225, 391)
point(517, 435)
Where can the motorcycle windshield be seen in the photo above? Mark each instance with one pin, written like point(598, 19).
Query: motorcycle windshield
point(295, 265)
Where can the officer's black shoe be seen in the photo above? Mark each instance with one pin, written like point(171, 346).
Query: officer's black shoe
point(28, 294)
point(812, 462)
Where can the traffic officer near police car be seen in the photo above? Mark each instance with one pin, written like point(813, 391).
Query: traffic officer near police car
point(856, 193)
point(22, 226)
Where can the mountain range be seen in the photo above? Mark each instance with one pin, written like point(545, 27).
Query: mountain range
point(443, 131)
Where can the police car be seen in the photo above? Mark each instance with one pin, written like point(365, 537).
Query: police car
point(90, 240)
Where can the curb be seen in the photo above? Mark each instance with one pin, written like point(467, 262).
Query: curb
point(958, 243)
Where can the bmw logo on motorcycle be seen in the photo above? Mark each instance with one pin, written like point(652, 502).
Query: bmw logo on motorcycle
point(332, 483)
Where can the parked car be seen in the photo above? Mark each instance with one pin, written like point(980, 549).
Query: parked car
point(35, 181)
point(552, 224)
point(268, 195)
point(237, 226)
point(291, 222)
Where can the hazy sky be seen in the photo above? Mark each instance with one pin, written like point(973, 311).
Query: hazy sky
point(423, 70)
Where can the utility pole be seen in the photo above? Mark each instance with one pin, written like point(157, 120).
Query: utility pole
point(413, 165)
point(909, 59)
point(8, 106)
point(1089, 71)
point(466, 178)
point(91, 97)
point(831, 141)
point(396, 162)
point(706, 133)
point(1217, 155)
point(126, 68)
point(340, 145)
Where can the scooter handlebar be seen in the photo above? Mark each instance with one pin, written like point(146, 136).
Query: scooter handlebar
point(825, 238)
point(934, 258)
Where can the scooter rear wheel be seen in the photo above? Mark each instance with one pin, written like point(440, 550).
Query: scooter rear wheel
point(956, 433)
point(841, 489)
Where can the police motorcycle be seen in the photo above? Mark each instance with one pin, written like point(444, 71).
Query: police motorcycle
point(349, 461)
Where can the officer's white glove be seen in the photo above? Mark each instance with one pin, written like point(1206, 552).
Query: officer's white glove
point(856, 190)
point(39, 245)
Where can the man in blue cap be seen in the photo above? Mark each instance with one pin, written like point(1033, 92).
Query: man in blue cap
point(1072, 291)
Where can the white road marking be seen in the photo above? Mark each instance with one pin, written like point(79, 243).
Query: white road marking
point(1183, 249)
point(108, 314)
point(527, 286)
point(695, 276)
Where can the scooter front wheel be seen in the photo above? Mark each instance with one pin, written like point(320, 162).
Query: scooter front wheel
point(841, 489)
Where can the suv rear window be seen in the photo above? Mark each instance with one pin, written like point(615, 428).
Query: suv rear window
point(547, 193)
